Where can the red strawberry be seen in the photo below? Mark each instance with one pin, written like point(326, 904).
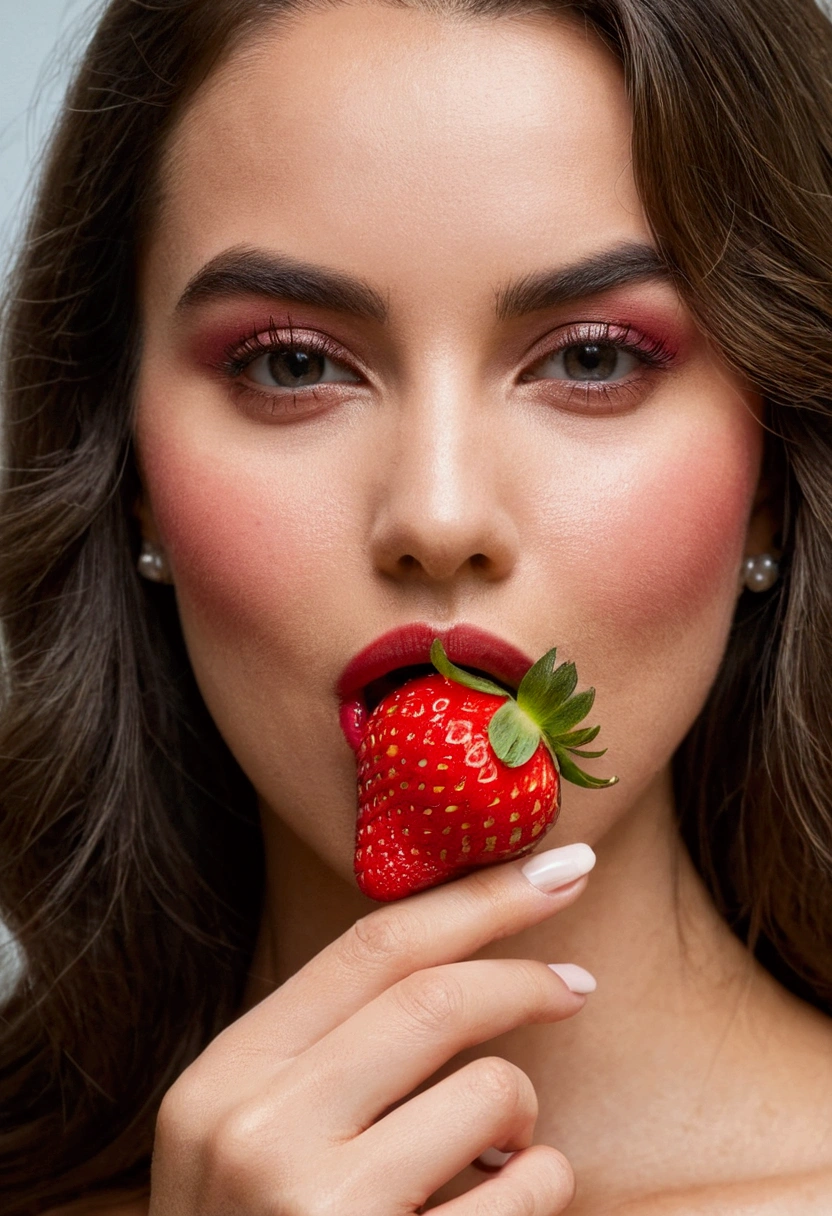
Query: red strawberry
point(454, 772)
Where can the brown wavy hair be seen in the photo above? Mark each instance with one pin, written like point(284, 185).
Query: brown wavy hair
point(130, 869)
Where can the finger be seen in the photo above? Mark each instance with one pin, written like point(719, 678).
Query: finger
point(536, 1182)
point(434, 927)
point(401, 1038)
point(439, 1132)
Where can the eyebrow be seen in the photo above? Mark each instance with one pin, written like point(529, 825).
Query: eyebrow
point(246, 271)
point(627, 263)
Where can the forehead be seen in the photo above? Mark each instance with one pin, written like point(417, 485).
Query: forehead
point(368, 134)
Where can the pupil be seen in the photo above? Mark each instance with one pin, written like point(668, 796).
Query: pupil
point(590, 361)
point(293, 367)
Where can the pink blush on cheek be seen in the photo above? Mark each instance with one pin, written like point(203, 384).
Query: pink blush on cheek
point(234, 551)
point(672, 547)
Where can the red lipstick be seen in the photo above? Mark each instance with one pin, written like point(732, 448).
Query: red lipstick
point(410, 645)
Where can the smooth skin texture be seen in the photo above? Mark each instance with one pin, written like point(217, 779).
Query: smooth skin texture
point(448, 468)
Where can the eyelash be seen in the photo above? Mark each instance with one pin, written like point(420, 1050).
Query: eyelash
point(653, 353)
point(239, 355)
point(604, 397)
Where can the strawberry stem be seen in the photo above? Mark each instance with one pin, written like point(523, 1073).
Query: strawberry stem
point(458, 674)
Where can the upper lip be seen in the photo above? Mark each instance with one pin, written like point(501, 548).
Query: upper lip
point(464, 644)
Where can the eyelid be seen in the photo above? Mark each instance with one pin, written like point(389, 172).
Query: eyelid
point(599, 397)
point(264, 342)
point(654, 352)
point(240, 354)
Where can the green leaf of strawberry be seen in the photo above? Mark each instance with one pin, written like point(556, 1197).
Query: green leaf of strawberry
point(545, 711)
point(448, 669)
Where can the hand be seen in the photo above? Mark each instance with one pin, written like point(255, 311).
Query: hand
point(284, 1112)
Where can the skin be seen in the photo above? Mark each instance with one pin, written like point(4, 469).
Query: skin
point(453, 477)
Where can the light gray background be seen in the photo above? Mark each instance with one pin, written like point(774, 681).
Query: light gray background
point(39, 41)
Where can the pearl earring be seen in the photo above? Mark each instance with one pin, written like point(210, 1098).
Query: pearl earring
point(153, 564)
point(760, 573)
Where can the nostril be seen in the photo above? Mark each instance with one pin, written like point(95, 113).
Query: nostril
point(408, 563)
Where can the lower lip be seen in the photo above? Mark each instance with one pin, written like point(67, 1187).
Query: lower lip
point(353, 716)
point(464, 644)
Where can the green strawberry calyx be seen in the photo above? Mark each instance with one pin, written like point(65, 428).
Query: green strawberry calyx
point(546, 710)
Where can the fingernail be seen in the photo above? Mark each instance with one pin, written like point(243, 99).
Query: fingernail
point(575, 977)
point(493, 1158)
point(557, 867)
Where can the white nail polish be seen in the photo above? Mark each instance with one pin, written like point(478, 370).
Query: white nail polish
point(575, 977)
point(493, 1158)
point(557, 867)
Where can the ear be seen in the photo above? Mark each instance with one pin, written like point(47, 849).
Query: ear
point(153, 563)
point(765, 524)
point(144, 514)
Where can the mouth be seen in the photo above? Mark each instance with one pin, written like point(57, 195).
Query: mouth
point(374, 693)
point(402, 655)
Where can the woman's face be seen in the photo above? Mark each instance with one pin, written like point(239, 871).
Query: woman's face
point(497, 410)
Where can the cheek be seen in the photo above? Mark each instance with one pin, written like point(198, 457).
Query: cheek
point(653, 583)
point(667, 534)
point(244, 541)
point(685, 532)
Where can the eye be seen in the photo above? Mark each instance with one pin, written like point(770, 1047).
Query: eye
point(587, 361)
point(294, 367)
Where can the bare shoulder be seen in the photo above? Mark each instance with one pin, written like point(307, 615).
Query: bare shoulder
point(807, 1194)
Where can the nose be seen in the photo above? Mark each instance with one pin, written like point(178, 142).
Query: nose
point(442, 513)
